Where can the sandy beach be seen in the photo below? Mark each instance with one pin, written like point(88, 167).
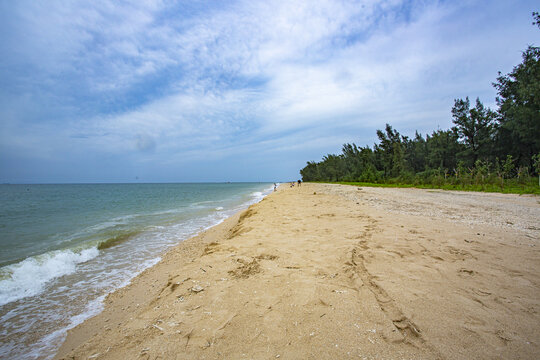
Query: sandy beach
point(336, 272)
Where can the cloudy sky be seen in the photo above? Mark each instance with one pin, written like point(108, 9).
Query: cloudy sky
point(201, 90)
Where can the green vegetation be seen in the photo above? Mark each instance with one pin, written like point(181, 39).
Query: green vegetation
point(485, 150)
point(512, 188)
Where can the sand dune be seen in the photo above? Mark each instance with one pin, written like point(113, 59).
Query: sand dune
point(336, 272)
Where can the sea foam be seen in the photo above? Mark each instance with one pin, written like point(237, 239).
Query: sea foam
point(29, 277)
point(257, 196)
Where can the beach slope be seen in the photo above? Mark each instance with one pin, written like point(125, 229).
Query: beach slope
point(334, 272)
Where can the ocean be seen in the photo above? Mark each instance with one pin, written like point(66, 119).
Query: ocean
point(63, 248)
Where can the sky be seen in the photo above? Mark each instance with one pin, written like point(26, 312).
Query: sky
point(204, 91)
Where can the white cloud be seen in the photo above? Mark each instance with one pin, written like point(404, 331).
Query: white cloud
point(176, 81)
point(307, 79)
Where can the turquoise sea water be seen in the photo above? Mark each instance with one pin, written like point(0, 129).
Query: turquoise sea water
point(64, 247)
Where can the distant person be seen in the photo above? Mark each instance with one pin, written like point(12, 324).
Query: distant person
point(275, 187)
point(299, 182)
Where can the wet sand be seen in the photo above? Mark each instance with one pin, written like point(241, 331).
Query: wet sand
point(335, 272)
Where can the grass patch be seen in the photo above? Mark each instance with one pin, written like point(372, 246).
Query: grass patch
point(512, 188)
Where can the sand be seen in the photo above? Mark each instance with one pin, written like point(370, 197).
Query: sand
point(336, 272)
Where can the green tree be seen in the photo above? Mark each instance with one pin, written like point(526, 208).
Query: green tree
point(332, 168)
point(310, 172)
point(536, 163)
point(392, 152)
point(508, 167)
point(416, 152)
point(519, 108)
point(536, 18)
point(359, 162)
point(442, 149)
point(475, 128)
point(351, 157)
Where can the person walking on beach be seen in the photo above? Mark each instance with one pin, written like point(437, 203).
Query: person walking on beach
point(299, 182)
point(275, 187)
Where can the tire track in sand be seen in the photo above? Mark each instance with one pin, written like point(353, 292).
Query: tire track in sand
point(408, 331)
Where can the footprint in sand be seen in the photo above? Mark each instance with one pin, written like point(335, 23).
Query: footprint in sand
point(466, 272)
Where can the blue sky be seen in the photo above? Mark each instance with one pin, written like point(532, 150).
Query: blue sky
point(111, 91)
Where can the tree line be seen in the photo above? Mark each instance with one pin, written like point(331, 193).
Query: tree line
point(483, 146)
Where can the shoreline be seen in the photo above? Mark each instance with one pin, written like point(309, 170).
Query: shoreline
point(142, 286)
point(66, 281)
point(332, 271)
